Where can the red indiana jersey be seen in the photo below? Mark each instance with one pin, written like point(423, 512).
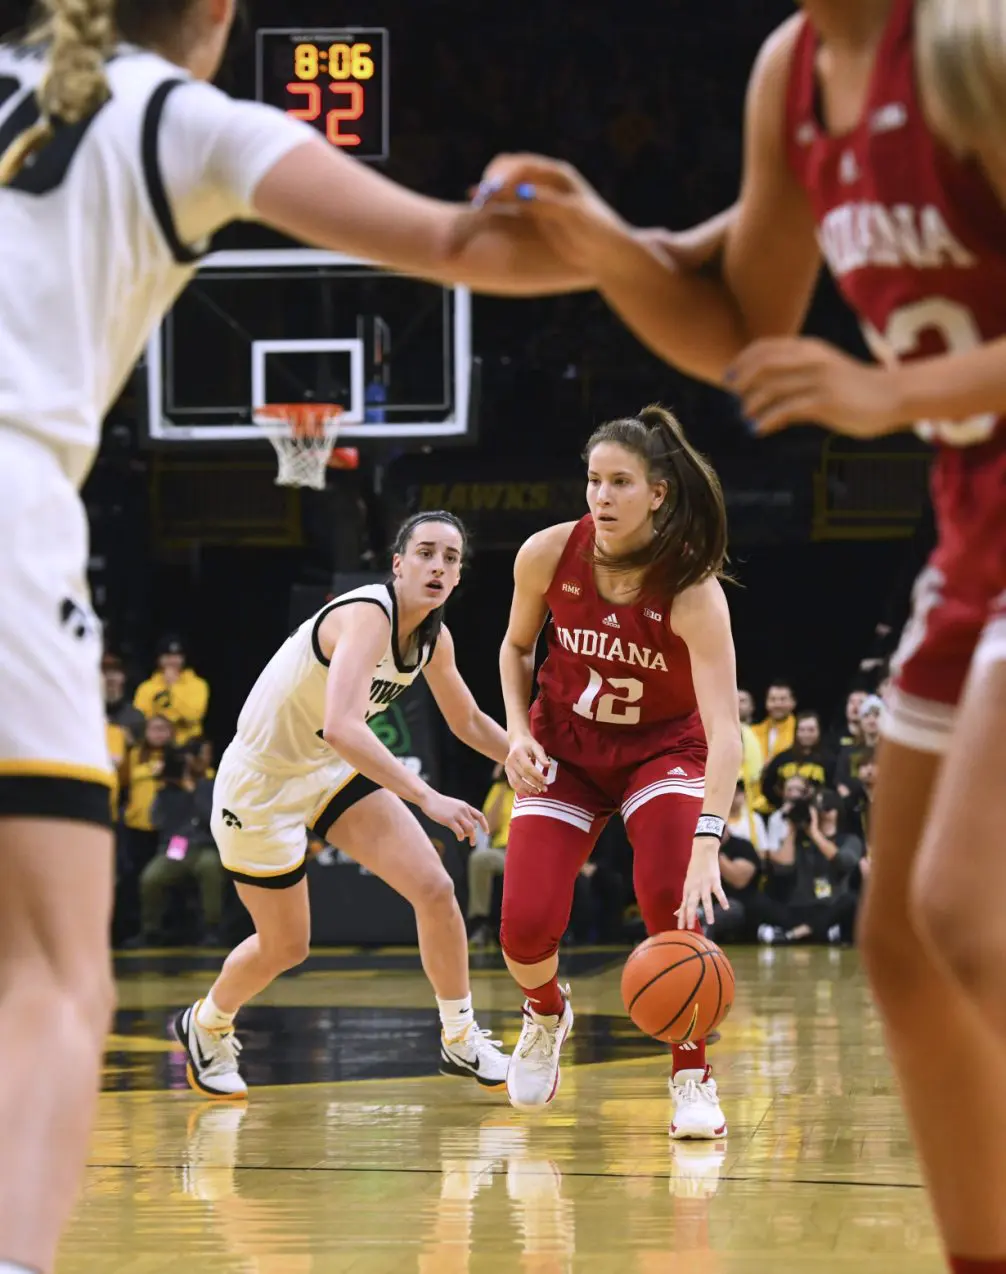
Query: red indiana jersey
point(916, 240)
point(616, 673)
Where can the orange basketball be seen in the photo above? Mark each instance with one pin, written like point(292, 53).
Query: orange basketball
point(677, 986)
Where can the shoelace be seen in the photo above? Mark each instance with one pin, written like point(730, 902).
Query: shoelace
point(692, 1091)
point(482, 1039)
point(538, 1036)
point(226, 1048)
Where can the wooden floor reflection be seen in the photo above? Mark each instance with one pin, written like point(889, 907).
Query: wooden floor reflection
point(418, 1173)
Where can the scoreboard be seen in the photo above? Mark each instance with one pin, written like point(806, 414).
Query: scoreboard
point(334, 79)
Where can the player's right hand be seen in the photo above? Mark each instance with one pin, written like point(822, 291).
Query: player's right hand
point(458, 816)
point(526, 765)
point(569, 213)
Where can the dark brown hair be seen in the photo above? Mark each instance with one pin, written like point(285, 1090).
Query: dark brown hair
point(690, 527)
point(81, 36)
point(429, 629)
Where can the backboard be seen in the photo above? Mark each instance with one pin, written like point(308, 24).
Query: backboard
point(295, 325)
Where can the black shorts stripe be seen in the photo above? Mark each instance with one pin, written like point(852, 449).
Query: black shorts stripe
point(354, 791)
point(284, 881)
point(39, 796)
point(154, 178)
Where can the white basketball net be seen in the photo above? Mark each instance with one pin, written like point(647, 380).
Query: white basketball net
point(303, 436)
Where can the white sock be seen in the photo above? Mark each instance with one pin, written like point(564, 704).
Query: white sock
point(211, 1018)
point(455, 1016)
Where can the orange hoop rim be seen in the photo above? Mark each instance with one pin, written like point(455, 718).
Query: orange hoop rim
point(303, 420)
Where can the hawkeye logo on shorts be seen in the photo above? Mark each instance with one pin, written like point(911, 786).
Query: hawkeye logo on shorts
point(76, 620)
point(230, 820)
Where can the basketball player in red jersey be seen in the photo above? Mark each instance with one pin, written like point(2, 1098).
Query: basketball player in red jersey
point(639, 682)
point(874, 134)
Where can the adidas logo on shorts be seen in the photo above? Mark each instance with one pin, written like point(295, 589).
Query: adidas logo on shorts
point(676, 772)
point(611, 621)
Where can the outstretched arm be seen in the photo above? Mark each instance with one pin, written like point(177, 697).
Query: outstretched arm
point(464, 717)
point(323, 197)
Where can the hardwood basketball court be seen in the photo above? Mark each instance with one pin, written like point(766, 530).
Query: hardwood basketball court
point(353, 1157)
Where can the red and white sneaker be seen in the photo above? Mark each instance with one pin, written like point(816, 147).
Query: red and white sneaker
point(533, 1078)
point(697, 1115)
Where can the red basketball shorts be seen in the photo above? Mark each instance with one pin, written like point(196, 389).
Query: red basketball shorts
point(959, 601)
point(552, 837)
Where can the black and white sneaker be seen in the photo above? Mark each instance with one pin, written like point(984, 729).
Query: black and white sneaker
point(476, 1056)
point(213, 1056)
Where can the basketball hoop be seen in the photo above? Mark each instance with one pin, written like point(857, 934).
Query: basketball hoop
point(304, 436)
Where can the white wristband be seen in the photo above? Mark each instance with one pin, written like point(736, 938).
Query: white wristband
point(710, 825)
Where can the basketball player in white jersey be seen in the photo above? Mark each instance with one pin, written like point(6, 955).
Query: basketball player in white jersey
point(117, 164)
point(303, 757)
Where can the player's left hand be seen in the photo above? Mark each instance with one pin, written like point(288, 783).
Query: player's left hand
point(796, 380)
point(702, 884)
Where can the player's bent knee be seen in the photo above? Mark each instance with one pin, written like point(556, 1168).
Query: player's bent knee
point(971, 942)
point(528, 937)
point(433, 892)
point(287, 951)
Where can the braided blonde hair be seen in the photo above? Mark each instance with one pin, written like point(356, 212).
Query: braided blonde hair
point(961, 57)
point(82, 34)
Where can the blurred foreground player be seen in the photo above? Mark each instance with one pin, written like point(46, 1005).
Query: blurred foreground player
point(875, 134)
point(114, 174)
point(639, 682)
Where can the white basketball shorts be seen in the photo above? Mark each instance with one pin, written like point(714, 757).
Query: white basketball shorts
point(261, 818)
point(54, 759)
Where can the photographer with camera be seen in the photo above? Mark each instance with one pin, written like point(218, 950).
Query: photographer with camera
point(811, 873)
point(185, 847)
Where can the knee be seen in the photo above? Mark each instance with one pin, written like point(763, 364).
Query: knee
point(892, 954)
point(286, 951)
point(530, 931)
point(967, 942)
point(76, 1006)
point(659, 907)
point(434, 892)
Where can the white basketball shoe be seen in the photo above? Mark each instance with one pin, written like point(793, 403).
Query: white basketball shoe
point(213, 1056)
point(697, 1115)
point(533, 1078)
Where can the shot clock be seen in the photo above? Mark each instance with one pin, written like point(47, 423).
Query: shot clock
point(334, 80)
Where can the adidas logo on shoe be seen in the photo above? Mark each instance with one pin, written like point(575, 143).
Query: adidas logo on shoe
point(611, 621)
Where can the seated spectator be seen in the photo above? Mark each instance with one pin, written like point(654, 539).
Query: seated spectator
point(119, 710)
point(740, 872)
point(175, 692)
point(185, 849)
point(796, 788)
point(142, 782)
point(858, 802)
point(849, 758)
point(847, 732)
point(805, 757)
point(776, 733)
point(751, 764)
point(744, 823)
point(485, 862)
point(812, 873)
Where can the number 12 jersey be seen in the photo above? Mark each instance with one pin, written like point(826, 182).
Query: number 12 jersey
point(616, 673)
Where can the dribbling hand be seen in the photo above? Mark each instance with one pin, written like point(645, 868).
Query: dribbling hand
point(458, 816)
point(702, 884)
point(526, 765)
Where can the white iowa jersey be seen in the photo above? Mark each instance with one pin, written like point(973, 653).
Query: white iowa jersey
point(100, 232)
point(281, 723)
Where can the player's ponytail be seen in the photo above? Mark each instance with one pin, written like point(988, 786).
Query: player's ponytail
point(961, 62)
point(689, 542)
point(81, 34)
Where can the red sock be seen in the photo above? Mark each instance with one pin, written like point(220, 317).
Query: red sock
point(688, 1057)
point(546, 1000)
point(964, 1265)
